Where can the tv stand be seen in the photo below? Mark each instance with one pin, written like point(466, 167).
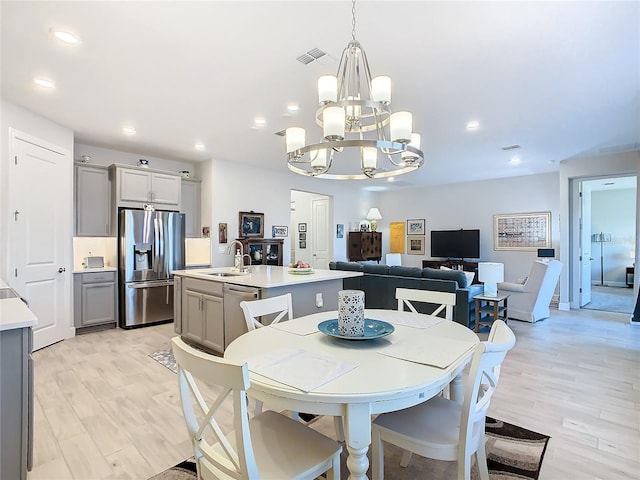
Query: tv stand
point(453, 265)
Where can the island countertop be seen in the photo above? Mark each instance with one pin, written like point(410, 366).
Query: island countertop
point(13, 311)
point(265, 276)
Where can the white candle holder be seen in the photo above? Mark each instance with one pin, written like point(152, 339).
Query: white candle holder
point(351, 313)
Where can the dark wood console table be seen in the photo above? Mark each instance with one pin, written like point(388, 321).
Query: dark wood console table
point(454, 265)
point(364, 246)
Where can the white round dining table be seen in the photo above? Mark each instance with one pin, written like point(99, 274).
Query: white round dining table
point(378, 383)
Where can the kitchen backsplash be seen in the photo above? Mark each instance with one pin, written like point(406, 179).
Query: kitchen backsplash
point(197, 251)
point(94, 247)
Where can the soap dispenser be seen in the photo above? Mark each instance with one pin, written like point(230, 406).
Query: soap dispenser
point(237, 260)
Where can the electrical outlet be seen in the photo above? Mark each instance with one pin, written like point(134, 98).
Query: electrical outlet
point(319, 302)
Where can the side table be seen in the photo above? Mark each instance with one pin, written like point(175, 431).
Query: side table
point(494, 307)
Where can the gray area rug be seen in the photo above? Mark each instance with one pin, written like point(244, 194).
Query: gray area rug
point(611, 299)
point(513, 453)
point(165, 358)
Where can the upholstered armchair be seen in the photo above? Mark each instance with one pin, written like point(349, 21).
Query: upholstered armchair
point(529, 301)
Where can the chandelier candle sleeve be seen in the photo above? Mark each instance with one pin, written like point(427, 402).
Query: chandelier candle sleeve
point(327, 89)
point(415, 142)
point(381, 89)
point(401, 127)
point(333, 119)
point(294, 137)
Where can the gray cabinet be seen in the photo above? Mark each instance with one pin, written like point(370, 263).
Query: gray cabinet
point(190, 206)
point(136, 186)
point(92, 201)
point(95, 301)
point(16, 399)
point(202, 313)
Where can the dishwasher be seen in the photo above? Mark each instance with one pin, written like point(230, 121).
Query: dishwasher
point(234, 322)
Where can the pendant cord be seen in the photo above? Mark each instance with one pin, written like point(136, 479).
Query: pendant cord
point(353, 20)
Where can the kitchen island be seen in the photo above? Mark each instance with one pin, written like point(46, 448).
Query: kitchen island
point(207, 309)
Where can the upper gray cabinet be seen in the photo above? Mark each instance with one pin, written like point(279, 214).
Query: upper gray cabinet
point(136, 187)
point(92, 201)
point(191, 207)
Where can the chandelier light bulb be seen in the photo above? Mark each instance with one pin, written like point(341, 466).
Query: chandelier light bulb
point(319, 159)
point(333, 120)
point(381, 89)
point(327, 89)
point(295, 138)
point(401, 126)
point(415, 142)
point(369, 158)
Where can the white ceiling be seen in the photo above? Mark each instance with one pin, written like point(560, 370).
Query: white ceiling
point(560, 79)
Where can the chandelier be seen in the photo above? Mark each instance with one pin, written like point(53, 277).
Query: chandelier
point(361, 137)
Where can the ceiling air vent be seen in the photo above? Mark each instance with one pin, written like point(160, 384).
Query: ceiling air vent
point(310, 56)
point(511, 147)
point(281, 133)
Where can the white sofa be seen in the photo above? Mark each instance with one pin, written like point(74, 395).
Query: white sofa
point(529, 301)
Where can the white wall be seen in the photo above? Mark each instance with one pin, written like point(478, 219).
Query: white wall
point(231, 188)
point(470, 206)
point(614, 212)
point(627, 163)
point(107, 156)
point(28, 122)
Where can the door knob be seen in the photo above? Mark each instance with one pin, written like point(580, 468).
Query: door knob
point(62, 269)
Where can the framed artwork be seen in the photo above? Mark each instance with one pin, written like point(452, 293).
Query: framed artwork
point(415, 245)
point(302, 236)
point(279, 231)
point(340, 230)
point(302, 227)
point(303, 244)
point(222, 232)
point(251, 224)
point(415, 227)
point(522, 231)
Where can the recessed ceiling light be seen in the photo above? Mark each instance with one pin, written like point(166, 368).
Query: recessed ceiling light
point(293, 107)
point(473, 125)
point(199, 146)
point(129, 131)
point(259, 121)
point(65, 37)
point(391, 179)
point(515, 161)
point(44, 83)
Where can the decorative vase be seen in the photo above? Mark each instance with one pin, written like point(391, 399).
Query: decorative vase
point(351, 313)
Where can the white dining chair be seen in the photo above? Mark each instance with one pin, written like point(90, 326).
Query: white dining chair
point(281, 306)
point(443, 429)
point(268, 446)
point(444, 300)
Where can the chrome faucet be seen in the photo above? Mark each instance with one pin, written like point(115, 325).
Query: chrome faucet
point(247, 268)
point(230, 250)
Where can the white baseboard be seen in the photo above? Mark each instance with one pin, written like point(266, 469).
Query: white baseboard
point(564, 306)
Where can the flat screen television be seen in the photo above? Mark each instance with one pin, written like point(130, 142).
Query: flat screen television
point(455, 243)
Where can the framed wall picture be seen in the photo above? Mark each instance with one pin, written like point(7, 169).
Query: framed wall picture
point(522, 231)
point(415, 245)
point(416, 226)
point(251, 224)
point(340, 230)
point(303, 244)
point(302, 236)
point(302, 227)
point(222, 232)
point(279, 231)
point(396, 237)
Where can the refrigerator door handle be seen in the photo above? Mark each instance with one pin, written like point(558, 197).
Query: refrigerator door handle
point(161, 222)
point(162, 283)
point(156, 243)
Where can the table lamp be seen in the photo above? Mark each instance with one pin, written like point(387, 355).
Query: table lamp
point(374, 216)
point(490, 273)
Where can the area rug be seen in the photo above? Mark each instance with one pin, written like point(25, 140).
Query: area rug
point(165, 358)
point(513, 453)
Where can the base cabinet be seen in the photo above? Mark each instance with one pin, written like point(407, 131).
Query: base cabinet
point(202, 315)
point(95, 301)
point(454, 265)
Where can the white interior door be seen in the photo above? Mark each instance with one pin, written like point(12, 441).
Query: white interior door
point(40, 234)
point(585, 245)
point(321, 233)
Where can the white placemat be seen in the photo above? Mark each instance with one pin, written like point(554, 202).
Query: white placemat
point(297, 368)
point(415, 320)
point(436, 352)
point(294, 326)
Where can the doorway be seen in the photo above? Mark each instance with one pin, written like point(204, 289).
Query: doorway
point(607, 243)
point(311, 218)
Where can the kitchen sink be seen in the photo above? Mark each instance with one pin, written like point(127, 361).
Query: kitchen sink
point(7, 293)
point(227, 274)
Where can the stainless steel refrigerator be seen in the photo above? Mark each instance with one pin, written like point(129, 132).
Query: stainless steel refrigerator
point(150, 247)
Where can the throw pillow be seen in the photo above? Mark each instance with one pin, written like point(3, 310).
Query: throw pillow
point(470, 276)
point(442, 267)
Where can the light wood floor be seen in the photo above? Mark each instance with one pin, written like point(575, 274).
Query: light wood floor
point(105, 410)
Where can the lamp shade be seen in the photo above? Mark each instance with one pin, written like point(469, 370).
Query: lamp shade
point(374, 214)
point(490, 273)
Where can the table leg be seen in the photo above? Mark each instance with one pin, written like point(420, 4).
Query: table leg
point(496, 308)
point(456, 389)
point(357, 426)
point(477, 325)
